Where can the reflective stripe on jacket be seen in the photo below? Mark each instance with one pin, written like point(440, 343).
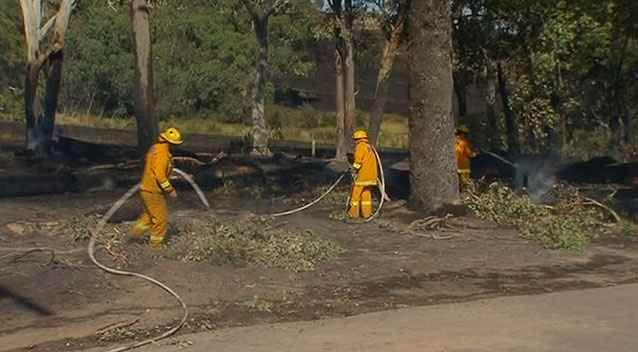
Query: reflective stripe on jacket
point(365, 162)
point(157, 169)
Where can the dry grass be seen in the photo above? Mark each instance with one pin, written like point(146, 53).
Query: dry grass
point(287, 124)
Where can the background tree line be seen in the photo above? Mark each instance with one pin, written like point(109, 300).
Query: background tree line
point(547, 70)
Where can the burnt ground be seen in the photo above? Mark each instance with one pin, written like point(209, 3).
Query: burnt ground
point(58, 305)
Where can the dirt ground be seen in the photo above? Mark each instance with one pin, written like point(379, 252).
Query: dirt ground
point(59, 305)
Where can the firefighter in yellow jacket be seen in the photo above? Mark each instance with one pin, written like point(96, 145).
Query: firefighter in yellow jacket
point(366, 169)
point(464, 153)
point(155, 184)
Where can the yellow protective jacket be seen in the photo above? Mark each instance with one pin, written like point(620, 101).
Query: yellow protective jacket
point(157, 169)
point(464, 152)
point(365, 162)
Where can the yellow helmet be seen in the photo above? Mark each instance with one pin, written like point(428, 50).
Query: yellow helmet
point(172, 136)
point(463, 129)
point(360, 134)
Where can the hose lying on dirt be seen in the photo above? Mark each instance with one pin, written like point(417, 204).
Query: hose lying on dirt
point(91, 251)
point(302, 208)
point(334, 185)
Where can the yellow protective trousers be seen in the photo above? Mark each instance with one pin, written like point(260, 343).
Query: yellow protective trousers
point(154, 218)
point(464, 178)
point(361, 202)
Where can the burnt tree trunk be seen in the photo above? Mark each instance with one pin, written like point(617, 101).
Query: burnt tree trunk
point(31, 105)
point(433, 177)
point(382, 88)
point(52, 92)
point(349, 75)
point(41, 122)
point(147, 126)
point(259, 129)
point(510, 125)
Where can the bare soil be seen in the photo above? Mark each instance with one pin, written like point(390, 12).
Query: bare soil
point(60, 305)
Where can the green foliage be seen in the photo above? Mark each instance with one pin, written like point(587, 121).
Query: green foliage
point(563, 60)
point(252, 240)
point(11, 60)
point(567, 224)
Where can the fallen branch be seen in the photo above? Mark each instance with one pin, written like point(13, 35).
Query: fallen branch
point(600, 205)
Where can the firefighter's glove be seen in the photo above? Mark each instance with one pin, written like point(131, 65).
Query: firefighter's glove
point(353, 172)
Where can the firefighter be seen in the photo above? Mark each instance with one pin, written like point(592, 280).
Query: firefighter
point(154, 186)
point(365, 172)
point(464, 153)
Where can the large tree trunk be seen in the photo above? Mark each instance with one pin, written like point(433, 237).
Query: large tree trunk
point(147, 126)
point(383, 87)
point(510, 125)
point(39, 123)
point(433, 177)
point(259, 129)
point(349, 72)
point(342, 146)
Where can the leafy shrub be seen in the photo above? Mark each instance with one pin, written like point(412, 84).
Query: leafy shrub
point(253, 240)
point(567, 224)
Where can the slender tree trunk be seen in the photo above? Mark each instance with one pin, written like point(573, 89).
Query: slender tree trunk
point(433, 177)
point(349, 96)
point(260, 129)
point(31, 104)
point(510, 125)
point(626, 122)
point(460, 94)
point(349, 72)
point(40, 124)
point(490, 105)
point(52, 92)
point(342, 146)
point(147, 126)
point(382, 88)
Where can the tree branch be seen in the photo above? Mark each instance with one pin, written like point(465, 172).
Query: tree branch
point(45, 29)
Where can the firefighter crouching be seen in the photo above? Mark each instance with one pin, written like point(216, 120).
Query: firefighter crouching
point(464, 153)
point(155, 184)
point(365, 172)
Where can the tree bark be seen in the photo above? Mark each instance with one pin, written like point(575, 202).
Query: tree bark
point(349, 72)
point(40, 124)
point(342, 146)
point(433, 176)
point(260, 130)
point(52, 92)
point(147, 126)
point(490, 105)
point(510, 125)
point(382, 88)
point(460, 94)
